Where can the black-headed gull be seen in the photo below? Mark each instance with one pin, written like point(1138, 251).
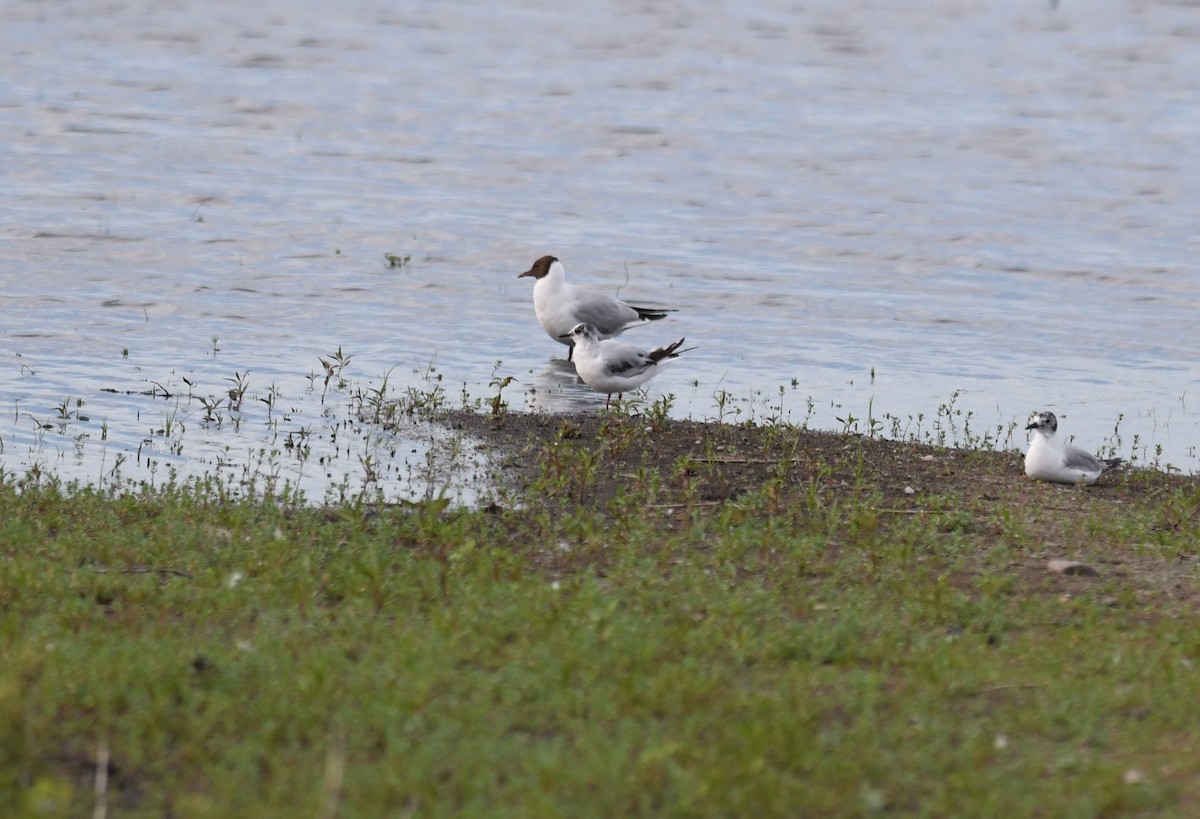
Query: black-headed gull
point(1051, 460)
point(561, 306)
point(608, 365)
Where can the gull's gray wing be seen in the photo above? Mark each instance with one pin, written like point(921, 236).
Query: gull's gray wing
point(606, 314)
point(625, 359)
point(1076, 458)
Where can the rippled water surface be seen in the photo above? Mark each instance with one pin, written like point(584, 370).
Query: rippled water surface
point(870, 206)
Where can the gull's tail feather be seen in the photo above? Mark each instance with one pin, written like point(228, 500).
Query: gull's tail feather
point(669, 351)
point(1112, 463)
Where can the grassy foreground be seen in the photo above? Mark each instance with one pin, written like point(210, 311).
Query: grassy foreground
point(658, 618)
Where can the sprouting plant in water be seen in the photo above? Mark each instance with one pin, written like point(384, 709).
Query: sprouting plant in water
point(499, 406)
point(468, 402)
point(372, 406)
point(849, 423)
point(115, 472)
point(1010, 432)
point(810, 407)
point(425, 403)
point(777, 416)
point(1136, 450)
point(874, 425)
point(1114, 440)
point(170, 423)
point(296, 442)
point(215, 344)
point(237, 392)
point(396, 260)
point(272, 397)
point(211, 405)
point(334, 366)
point(370, 473)
point(158, 390)
point(723, 397)
point(948, 412)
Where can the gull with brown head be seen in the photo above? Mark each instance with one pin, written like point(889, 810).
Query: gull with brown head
point(560, 305)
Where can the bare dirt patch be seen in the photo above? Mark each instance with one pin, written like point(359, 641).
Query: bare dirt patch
point(1138, 527)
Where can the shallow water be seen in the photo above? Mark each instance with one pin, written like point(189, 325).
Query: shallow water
point(886, 205)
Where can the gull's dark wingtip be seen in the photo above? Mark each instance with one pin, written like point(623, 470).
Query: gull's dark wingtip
point(652, 313)
point(669, 351)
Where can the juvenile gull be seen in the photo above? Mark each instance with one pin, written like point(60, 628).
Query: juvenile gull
point(608, 365)
point(1051, 460)
point(560, 306)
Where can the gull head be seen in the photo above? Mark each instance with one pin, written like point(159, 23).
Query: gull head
point(581, 331)
point(540, 269)
point(1043, 422)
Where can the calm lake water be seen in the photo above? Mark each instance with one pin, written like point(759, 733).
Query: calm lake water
point(860, 209)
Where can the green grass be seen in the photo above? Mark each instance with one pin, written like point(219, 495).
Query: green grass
point(801, 648)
